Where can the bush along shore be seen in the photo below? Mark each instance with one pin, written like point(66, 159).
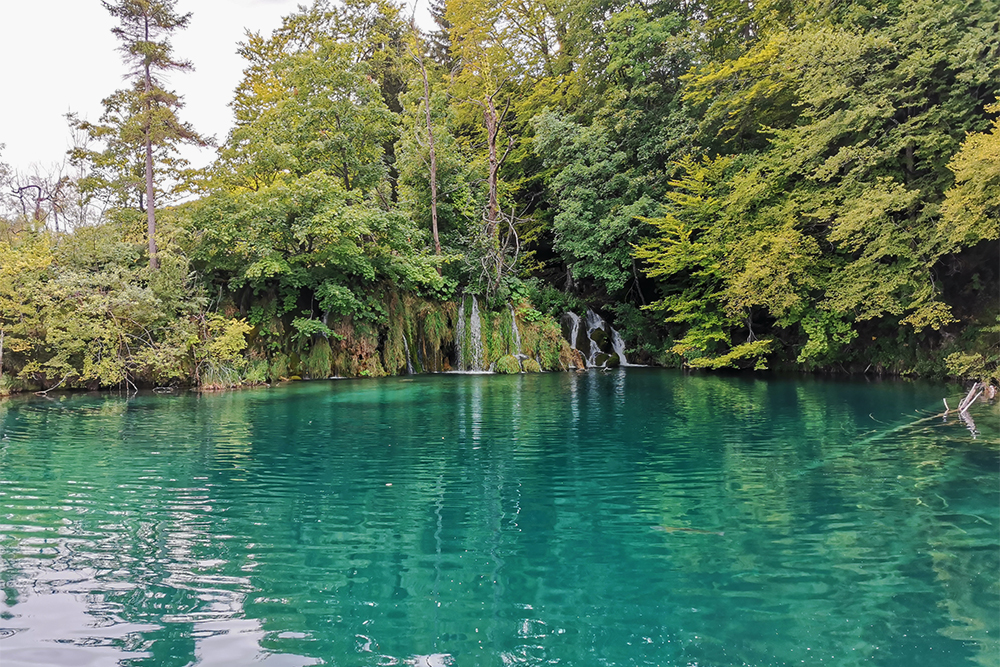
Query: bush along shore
point(731, 185)
point(101, 319)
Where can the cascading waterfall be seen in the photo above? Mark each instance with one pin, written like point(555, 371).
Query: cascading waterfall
point(460, 335)
point(574, 331)
point(475, 338)
point(604, 346)
point(594, 322)
point(618, 345)
point(469, 337)
point(517, 334)
point(409, 361)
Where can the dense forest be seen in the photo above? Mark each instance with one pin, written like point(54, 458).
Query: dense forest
point(807, 184)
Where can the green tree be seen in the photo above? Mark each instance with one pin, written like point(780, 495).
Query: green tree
point(608, 157)
point(149, 118)
point(300, 224)
point(689, 256)
point(597, 198)
point(86, 312)
point(484, 86)
point(971, 210)
point(437, 178)
point(25, 258)
point(842, 126)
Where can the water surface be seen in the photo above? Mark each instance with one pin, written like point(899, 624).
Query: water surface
point(637, 517)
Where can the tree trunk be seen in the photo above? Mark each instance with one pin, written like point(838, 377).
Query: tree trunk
point(433, 156)
point(492, 130)
point(2, 332)
point(150, 205)
point(150, 208)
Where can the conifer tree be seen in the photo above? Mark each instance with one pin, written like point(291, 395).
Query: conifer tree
point(144, 28)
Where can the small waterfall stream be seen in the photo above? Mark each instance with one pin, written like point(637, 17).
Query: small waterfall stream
point(469, 337)
point(460, 336)
point(574, 331)
point(618, 345)
point(594, 323)
point(409, 360)
point(475, 338)
point(517, 334)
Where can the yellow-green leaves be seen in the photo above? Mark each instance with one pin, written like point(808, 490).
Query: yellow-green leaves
point(971, 210)
point(839, 126)
point(23, 264)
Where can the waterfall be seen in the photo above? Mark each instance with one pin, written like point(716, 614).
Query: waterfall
point(594, 322)
point(460, 336)
point(475, 338)
point(409, 362)
point(602, 344)
point(517, 334)
point(618, 345)
point(469, 353)
point(574, 330)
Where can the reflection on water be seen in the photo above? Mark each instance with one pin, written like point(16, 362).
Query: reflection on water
point(635, 517)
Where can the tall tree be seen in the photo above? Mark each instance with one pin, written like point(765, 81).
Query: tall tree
point(300, 207)
point(486, 80)
point(438, 184)
point(432, 168)
point(827, 227)
point(144, 28)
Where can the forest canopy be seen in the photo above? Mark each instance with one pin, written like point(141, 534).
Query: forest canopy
point(782, 184)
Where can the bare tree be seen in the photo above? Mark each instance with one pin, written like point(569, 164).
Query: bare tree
point(41, 195)
point(433, 153)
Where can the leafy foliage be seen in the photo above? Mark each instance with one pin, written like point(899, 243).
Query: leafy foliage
point(830, 219)
point(787, 183)
point(86, 313)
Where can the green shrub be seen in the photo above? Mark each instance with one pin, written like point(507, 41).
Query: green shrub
point(318, 360)
point(256, 372)
point(508, 365)
point(279, 367)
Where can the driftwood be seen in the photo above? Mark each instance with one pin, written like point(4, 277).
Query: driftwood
point(978, 389)
point(963, 413)
point(45, 392)
point(970, 398)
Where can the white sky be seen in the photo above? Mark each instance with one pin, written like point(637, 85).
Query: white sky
point(58, 56)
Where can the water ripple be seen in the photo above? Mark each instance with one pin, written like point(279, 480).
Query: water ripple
point(641, 517)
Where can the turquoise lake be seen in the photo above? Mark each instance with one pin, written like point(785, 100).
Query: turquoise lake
point(634, 517)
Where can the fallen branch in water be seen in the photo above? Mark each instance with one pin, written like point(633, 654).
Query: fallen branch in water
point(971, 397)
point(963, 413)
point(45, 392)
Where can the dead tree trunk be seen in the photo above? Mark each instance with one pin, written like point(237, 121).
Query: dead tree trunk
point(492, 123)
point(971, 397)
point(150, 203)
point(433, 157)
